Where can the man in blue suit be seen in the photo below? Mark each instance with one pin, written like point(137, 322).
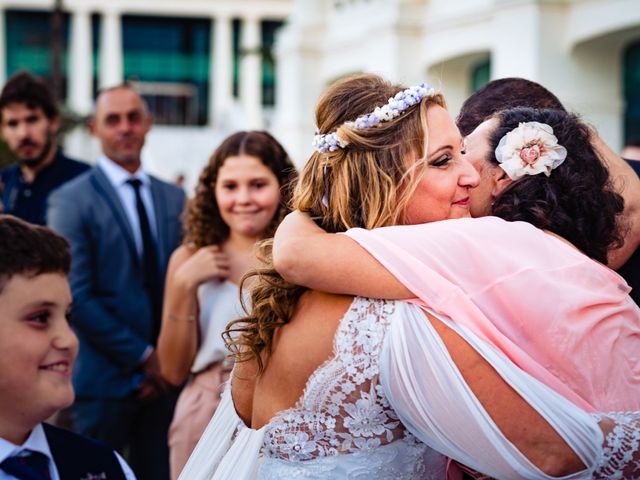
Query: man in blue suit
point(123, 225)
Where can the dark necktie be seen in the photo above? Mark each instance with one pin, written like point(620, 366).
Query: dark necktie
point(29, 466)
point(149, 258)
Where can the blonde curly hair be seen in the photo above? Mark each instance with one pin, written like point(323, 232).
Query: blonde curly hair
point(366, 184)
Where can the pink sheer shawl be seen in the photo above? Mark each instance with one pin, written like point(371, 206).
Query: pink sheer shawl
point(560, 316)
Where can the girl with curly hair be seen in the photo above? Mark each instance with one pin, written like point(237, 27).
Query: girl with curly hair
point(241, 197)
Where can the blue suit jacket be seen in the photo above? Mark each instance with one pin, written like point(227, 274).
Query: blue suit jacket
point(112, 309)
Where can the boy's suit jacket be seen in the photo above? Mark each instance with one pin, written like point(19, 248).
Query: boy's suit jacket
point(80, 458)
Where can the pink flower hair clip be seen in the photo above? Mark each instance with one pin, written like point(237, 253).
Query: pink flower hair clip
point(530, 149)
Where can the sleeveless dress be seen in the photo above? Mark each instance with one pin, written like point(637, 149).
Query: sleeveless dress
point(389, 404)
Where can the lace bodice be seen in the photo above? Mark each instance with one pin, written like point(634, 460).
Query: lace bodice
point(621, 459)
point(343, 409)
point(343, 426)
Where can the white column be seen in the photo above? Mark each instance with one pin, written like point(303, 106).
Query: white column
point(521, 58)
point(298, 53)
point(221, 71)
point(250, 73)
point(80, 63)
point(111, 57)
point(3, 50)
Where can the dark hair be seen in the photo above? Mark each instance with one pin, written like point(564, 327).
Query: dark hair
point(632, 142)
point(33, 92)
point(577, 201)
point(203, 223)
point(126, 85)
point(503, 94)
point(29, 249)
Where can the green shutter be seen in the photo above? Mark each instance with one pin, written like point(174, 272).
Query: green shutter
point(169, 50)
point(28, 40)
point(480, 74)
point(269, 30)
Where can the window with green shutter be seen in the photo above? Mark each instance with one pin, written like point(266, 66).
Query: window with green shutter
point(28, 41)
point(168, 59)
point(269, 31)
point(480, 74)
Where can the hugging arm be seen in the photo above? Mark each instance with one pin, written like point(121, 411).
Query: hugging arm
point(306, 255)
point(471, 403)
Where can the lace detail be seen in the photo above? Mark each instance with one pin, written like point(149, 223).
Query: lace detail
point(621, 452)
point(404, 459)
point(343, 409)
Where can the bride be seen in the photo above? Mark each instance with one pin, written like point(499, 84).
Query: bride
point(329, 386)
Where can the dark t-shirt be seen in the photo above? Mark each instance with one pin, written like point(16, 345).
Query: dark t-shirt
point(28, 201)
point(635, 164)
point(630, 271)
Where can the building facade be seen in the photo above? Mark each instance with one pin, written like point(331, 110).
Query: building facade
point(204, 67)
point(586, 51)
point(210, 67)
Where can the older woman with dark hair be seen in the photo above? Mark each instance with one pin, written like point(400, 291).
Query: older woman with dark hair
point(507, 93)
point(575, 199)
point(241, 197)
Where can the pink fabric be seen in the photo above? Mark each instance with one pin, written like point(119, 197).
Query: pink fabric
point(196, 405)
point(560, 316)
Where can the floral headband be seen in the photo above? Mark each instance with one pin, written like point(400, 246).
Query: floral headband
point(403, 100)
point(530, 149)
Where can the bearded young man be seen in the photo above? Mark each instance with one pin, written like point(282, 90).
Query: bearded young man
point(29, 122)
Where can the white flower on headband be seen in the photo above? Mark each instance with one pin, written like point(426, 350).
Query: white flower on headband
point(530, 149)
point(329, 142)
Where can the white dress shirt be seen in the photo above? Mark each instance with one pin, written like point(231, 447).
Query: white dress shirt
point(37, 442)
point(118, 177)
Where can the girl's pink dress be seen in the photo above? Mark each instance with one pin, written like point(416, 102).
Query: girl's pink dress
point(562, 317)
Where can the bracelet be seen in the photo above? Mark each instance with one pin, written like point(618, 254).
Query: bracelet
point(187, 318)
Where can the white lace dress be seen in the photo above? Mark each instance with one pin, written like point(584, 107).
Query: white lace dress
point(387, 402)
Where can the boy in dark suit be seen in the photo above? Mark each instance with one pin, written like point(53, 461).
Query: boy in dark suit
point(37, 351)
